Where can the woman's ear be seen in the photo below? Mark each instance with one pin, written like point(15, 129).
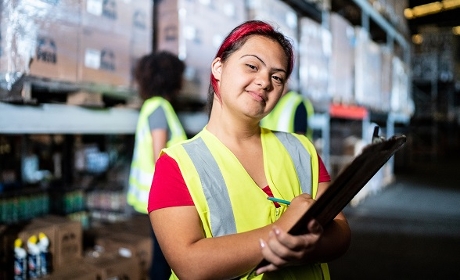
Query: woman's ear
point(216, 68)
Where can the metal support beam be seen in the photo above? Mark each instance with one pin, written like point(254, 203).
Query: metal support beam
point(382, 22)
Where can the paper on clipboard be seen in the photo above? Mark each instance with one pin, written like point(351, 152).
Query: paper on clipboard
point(347, 184)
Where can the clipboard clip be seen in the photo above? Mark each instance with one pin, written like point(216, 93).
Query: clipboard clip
point(375, 136)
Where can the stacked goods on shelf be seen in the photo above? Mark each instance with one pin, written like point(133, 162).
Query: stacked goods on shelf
point(65, 201)
point(393, 11)
point(141, 32)
point(285, 18)
point(401, 98)
point(341, 82)
point(107, 205)
point(91, 42)
point(314, 54)
point(368, 74)
point(193, 30)
point(25, 206)
point(112, 35)
point(38, 39)
point(386, 83)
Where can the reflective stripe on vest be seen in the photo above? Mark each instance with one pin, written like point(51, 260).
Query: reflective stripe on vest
point(297, 152)
point(222, 218)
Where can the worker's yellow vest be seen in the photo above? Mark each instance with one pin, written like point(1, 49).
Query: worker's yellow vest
point(281, 118)
point(226, 197)
point(142, 165)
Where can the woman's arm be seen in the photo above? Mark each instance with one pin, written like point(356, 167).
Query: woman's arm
point(191, 256)
point(159, 140)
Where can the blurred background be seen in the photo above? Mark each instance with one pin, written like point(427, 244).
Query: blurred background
point(69, 106)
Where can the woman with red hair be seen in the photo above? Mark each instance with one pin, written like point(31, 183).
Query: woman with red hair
point(210, 201)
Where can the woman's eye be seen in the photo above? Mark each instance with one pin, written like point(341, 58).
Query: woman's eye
point(251, 66)
point(278, 79)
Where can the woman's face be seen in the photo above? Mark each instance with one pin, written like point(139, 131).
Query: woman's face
point(252, 79)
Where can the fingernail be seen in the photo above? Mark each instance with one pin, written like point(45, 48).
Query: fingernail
point(262, 243)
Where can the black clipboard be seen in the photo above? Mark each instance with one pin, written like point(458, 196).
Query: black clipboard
point(347, 184)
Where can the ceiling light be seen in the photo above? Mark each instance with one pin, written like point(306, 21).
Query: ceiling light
point(408, 13)
point(427, 9)
point(456, 30)
point(417, 39)
point(451, 4)
point(431, 8)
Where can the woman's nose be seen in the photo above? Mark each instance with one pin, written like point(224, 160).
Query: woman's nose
point(263, 80)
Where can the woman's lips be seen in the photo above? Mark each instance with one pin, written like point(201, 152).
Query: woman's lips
point(257, 96)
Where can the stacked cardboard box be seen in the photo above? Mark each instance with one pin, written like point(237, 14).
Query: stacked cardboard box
point(194, 30)
point(76, 41)
point(368, 67)
point(39, 38)
point(342, 60)
point(314, 54)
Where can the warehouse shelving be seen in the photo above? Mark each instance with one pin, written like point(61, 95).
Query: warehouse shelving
point(65, 119)
point(45, 118)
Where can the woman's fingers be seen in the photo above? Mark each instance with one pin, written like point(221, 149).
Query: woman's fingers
point(282, 249)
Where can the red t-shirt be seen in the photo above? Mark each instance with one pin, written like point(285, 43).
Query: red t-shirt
point(169, 189)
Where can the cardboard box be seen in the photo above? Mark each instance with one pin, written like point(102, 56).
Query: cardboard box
point(39, 38)
point(76, 271)
point(141, 34)
point(68, 239)
point(109, 16)
point(103, 58)
point(342, 60)
point(114, 266)
point(129, 245)
point(56, 51)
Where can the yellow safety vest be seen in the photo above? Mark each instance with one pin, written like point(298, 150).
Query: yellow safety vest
point(281, 118)
point(226, 197)
point(142, 165)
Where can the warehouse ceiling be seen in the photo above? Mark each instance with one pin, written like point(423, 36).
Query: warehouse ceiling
point(444, 13)
point(447, 14)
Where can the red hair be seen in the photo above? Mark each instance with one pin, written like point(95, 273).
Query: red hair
point(236, 39)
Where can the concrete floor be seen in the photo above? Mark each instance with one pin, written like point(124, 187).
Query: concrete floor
point(409, 230)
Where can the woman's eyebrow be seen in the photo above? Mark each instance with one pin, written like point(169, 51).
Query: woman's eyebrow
point(275, 69)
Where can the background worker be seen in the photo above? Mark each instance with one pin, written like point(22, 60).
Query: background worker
point(291, 114)
point(159, 79)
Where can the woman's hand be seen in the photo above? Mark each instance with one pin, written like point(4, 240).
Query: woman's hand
point(283, 249)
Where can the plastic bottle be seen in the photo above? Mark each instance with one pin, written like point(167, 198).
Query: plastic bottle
point(20, 261)
point(33, 258)
point(45, 256)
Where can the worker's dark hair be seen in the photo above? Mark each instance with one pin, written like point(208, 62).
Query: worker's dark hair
point(159, 74)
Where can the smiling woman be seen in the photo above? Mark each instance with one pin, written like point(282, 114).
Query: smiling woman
point(208, 202)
